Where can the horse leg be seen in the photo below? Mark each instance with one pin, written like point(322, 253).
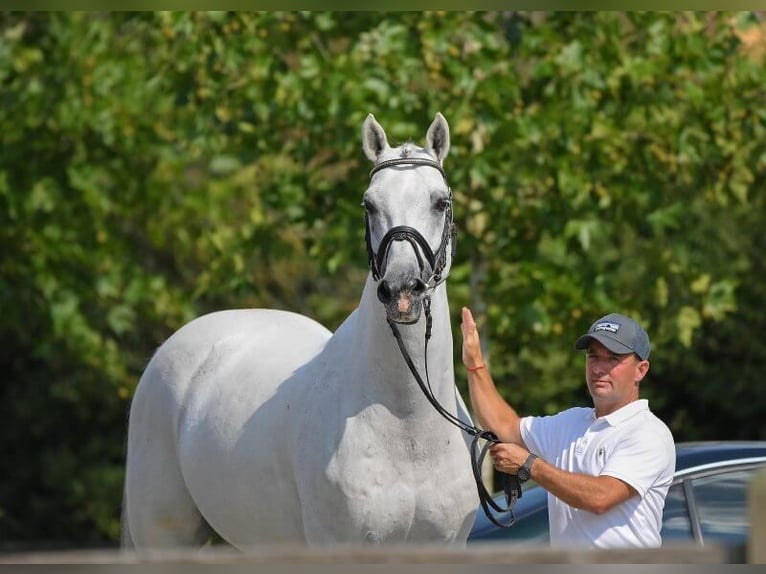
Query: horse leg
point(158, 510)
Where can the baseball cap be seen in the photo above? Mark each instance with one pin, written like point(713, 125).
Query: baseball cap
point(618, 333)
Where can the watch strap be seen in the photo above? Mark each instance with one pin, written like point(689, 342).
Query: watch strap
point(529, 462)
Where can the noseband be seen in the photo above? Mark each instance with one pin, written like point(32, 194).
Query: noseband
point(437, 260)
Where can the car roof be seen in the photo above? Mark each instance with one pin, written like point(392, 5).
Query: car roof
point(694, 454)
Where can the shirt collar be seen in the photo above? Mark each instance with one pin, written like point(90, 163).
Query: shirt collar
point(624, 413)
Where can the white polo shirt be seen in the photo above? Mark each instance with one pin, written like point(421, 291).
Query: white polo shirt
point(630, 444)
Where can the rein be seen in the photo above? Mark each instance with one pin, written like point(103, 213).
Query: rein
point(437, 262)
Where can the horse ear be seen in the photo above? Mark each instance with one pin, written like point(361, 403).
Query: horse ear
point(374, 141)
point(437, 138)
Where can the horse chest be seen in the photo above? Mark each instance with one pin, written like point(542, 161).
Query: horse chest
point(381, 481)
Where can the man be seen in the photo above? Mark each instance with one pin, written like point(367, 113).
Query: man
point(607, 469)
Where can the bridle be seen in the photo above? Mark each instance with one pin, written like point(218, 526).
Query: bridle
point(437, 261)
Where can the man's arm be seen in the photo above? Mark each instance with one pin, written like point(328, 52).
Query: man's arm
point(491, 409)
point(597, 494)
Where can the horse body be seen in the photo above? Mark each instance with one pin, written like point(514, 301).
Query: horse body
point(264, 427)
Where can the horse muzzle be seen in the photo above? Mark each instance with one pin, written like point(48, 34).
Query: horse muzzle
point(403, 300)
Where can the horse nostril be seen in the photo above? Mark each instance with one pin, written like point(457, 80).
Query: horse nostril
point(384, 292)
point(416, 286)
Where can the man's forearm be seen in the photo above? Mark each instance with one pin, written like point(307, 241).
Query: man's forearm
point(596, 494)
point(491, 409)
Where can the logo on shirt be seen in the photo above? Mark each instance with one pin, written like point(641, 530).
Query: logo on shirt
point(611, 327)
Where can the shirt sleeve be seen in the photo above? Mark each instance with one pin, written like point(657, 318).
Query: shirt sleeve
point(531, 439)
point(546, 435)
point(644, 457)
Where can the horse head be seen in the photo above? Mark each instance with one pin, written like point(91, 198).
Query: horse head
point(410, 232)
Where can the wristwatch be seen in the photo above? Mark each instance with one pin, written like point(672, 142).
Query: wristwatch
point(525, 470)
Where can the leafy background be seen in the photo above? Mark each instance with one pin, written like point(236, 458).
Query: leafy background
point(155, 166)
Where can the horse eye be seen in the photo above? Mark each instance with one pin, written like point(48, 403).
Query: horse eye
point(368, 207)
point(443, 204)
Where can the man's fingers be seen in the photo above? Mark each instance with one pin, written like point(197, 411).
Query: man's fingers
point(468, 322)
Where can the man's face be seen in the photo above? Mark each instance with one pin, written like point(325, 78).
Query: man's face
point(612, 379)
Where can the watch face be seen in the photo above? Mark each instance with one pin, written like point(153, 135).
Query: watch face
point(523, 474)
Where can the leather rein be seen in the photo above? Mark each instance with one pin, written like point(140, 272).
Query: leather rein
point(437, 262)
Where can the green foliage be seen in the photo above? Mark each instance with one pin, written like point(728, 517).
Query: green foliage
point(156, 166)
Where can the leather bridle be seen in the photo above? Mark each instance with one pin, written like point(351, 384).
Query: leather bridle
point(437, 262)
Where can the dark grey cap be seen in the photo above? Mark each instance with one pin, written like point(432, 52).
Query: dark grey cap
point(619, 334)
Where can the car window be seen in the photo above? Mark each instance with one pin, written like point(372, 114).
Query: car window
point(721, 501)
point(675, 519)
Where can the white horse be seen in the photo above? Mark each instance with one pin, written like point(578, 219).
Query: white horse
point(263, 427)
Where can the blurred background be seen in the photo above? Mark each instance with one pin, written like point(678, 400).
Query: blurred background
point(157, 166)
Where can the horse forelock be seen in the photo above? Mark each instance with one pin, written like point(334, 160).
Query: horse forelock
point(408, 149)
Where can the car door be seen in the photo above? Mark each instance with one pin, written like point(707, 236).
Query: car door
point(710, 506)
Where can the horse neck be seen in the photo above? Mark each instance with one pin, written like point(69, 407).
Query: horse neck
point(382, 360)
